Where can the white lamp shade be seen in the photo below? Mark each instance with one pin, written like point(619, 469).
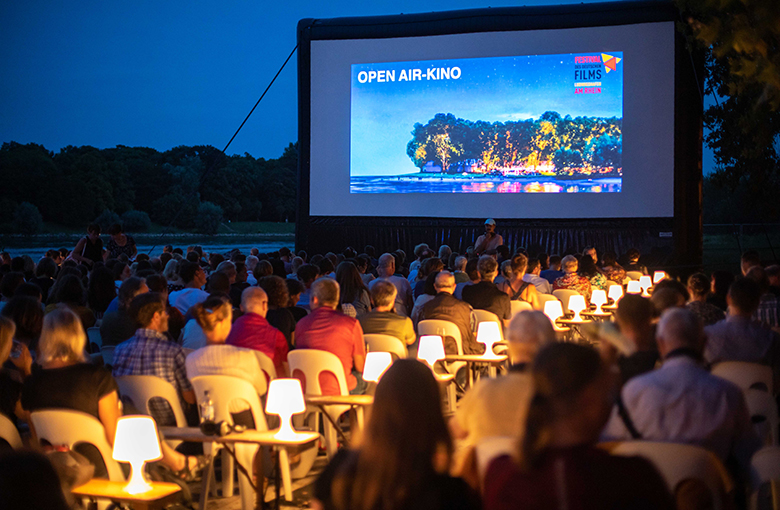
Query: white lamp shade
point(285, 397)
point(615, 292)
point(576, 305)
point(431, 349)
point(488, 334)
point(645, 282)
point(658, 276)
point(376, 364)
point(634, 287)
point(136, 439)
point(554, 310)
point(598, 298)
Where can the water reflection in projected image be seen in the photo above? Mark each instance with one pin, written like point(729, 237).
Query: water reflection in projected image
point(382, 184)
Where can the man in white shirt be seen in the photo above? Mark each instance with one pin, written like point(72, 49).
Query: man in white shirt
point(386, 270)
point(490, 240)
point(532, 276)
point(194, 279)
point(681, 402)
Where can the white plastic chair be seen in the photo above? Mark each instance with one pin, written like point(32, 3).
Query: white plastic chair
point(761, 404)
point(519, 306)
point(267, 366)
point(765, 468)
point(310, 363)
point(141, 389)
point(543, 298)
point(385, 343)
point(680, 462)
point(488, 448)
point(9, 433)
point(107, 351)
point(443, 329)
point(745, 375)
point(68, 427)
point(564, 295)
point(94, 340)
point(634, 275)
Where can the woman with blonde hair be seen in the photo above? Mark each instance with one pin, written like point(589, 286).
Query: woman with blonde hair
point(516, 287)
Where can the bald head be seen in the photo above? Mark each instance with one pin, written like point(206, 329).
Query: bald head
point(679, 328)
point(254, 300)
point(386, 265)
point(528, 332)
point(444, 282)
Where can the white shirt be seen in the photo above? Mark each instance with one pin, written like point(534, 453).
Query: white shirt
point(683, 403)
point(193, 336)
point(185, 299)
point(540, 283)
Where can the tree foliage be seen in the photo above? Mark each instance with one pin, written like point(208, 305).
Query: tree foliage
point(27, 219)
point(208, 218)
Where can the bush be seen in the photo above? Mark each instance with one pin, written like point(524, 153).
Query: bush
point(27, 219)
point(209, 217)
point(106, 219)
point(136, 221)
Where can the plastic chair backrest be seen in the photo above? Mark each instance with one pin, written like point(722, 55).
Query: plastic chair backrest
point(680, 462)
point(761, 404)
point(68, 427)
point(107, 351)
point(563, 295)
point(442, 328)
point(610, 283)
point(9, 433)
point(745, 375)
point(488, 448)
point(765, 468)
point(634, 275)
point(543, 298)
point(485, 316)
point(222, 390)
point(312, 362)
point(519, 306)
point(94, 339)
point(266, 365)
point(385, 343)
point(140, 389)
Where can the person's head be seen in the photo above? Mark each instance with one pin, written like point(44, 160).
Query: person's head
point(632, 255)
point(666, 298)
point(324, 293)
point(430, 265)
point(192, 274)
point(294, 290)
point(102, 289)
point(570, 264)
point(7, 332)
point(383, 294)
point(773, 274)
point(721, 282)
point(572, 401)
point(472, 271)
point(490, 225)
point(46, 268)
point(263, 268)
point(590, 250)
point(326, 266)
point(544, 261)
point(307, 274)
point(404, 435)
point(679, 328)
point(149, 311)
point(255, 300)
point(29, 290)
point(218, 283)
point(27, 314)
point(505, 269)
point(276, 291)
point(121, 271)
point(229, 269)
point(115, 230)
point(171, 271)
point(698, 286)
point(350, 282)
point(519, 265)
point(214, 316)
point(215, 259)
point(749, 260)
point(68, 289)
point(10, 282)
point(460, 263)
point(168, 248)
point(744, 297)
point(129, 289)
point(62, 337)
point(609, 259)
point(386, 266)
point(555, 262)
point(487, 267)
point(588, 267)
point(634, 315)
point(93, 231)
point(676, 285)
point(444, 282)
point(528, 332)
point(251, 262)
point(758, 275)
point(421, 251)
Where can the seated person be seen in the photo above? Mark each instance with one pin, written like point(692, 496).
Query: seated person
point(485, 295)
point(382, 319)
point(445, 306)
point(279, 315)
point(517, 287)
point(533, 277)
point(328, 330)
point(768, 310)
point(571, 280)
point(386, 272)
point(252, 330)
point(194, 279)
point(699, 290)
point(557, 465)
point(589, 270)
point(472, 278)
point(611, 269)
point(554, 272)
point(634, 316)
point(118, 325)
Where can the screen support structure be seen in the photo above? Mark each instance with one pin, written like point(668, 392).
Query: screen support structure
point(673, 240)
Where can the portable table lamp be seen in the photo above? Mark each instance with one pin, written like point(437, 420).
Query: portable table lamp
point(285, 398)
point(488, 334)
point(576, 305)
point(658, 276)
point(634, 287)
point(599, 298)
point(553, 309)
point(375, 366)
point(431, 349)
point(615, 293)
point(136, 442)
point(645, 282)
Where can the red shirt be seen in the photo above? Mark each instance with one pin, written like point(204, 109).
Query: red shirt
point(252, 331)
point(332, 331)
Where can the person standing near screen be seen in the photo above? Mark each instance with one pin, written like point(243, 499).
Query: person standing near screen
point(490, 240)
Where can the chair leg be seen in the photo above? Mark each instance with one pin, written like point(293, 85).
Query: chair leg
point(451, 397)
point(245, 453)
point(284, 465)
point(331, 438)
point(227, 474)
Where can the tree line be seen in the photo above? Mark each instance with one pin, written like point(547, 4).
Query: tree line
point(573, 146)
point(76, 185)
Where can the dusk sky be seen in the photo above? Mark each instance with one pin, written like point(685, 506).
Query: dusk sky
point(162, 74)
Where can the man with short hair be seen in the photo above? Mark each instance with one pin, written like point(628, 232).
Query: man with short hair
point(749, 260)
point(382, 319)
point(554, 272)
point(634, 316)
point(252, 330)
point(489, 240)
point(485, 295)
point(531, 276)
point(118, 325)
point(194, 279)
point(682, 402)
point(307, 274)
point(329, 330)
point(386, 272)
point(149, 352)
point(445, 306)
point(472, 273)
point(590, 250)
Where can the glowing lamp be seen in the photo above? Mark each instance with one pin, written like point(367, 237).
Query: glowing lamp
point(488, 334)
point(285, 398)
point(634, 287)
point(431, 349)
point(645, 283)
point(136, 442)
point(615, 293)
point(576, 305)
point(554, 310)
point(658, 276)
point(599, 298)
point(375, 366)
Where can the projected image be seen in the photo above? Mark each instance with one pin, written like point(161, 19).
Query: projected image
point(525, 124)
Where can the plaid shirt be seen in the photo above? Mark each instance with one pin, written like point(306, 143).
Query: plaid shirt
point(151, 353)
point(768, 311)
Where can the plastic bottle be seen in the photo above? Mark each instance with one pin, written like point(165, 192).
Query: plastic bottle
point(207, 425)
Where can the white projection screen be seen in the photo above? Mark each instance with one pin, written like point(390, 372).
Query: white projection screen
point(361, 123)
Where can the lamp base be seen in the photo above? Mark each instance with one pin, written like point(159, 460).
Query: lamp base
point(137, 483)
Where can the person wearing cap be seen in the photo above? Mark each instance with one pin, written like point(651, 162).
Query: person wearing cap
point(490, 240)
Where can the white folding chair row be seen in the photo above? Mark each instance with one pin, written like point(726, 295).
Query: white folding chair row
point(745, 375)
point(543, 298)
point(386, 343)
point(9, 433)
point(765, 468)
point(485, 316)
point(564, 295)
point(763, 413)
point(519, 306)
point(444, 329)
